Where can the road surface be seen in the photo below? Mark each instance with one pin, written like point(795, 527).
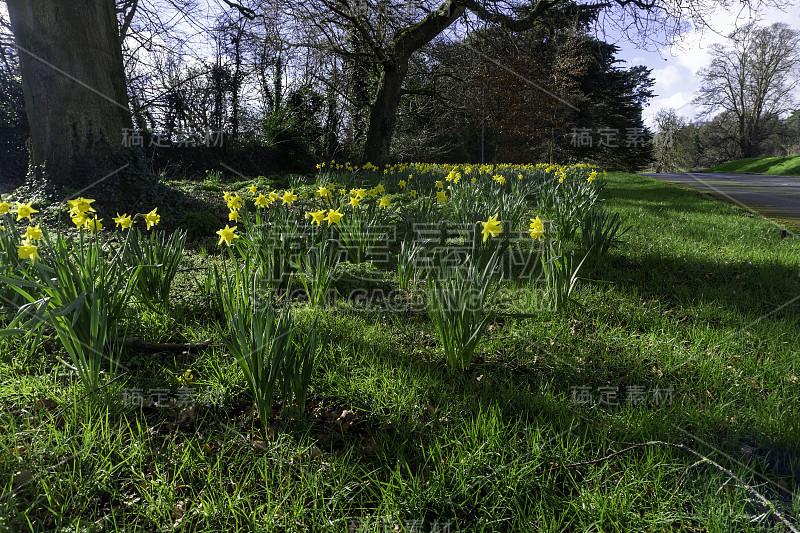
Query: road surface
point(772, 196)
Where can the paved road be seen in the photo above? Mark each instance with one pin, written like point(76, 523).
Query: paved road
point(776, 196)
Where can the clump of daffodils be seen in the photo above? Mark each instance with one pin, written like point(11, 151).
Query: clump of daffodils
point(84, 216)
point(80, 211)
point(27, 249)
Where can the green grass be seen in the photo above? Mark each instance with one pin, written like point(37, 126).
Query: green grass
point(701, 301)
point(776, 166)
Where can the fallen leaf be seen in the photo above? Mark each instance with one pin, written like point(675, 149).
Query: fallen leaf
point(20, 478)
point(46, 403)
point(187, 414)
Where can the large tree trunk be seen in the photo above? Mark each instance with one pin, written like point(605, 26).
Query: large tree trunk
point(742, 136)
point(394, 67)
point(74, 85)
point(383, 113)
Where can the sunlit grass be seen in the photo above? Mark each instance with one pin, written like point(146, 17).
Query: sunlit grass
point(776, 166)
point(701, 301)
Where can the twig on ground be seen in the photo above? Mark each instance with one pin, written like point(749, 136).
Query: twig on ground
point(703, 459)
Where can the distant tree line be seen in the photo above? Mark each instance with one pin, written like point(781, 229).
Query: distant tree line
point(749, 99)
point(681, 144)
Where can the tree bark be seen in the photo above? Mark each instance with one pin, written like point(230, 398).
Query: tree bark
point(383, 113)
point(74, 85)
point(393, 66)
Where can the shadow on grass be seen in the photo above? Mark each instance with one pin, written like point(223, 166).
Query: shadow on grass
point(747, 289)
point(539, 392)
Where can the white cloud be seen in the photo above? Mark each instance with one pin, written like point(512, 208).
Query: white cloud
point(674, 68)
point(668, 77)
point(680, 101)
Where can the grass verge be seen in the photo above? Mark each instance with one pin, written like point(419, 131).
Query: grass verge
point(775, 166)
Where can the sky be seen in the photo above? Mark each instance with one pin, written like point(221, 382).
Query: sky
point(675, 67)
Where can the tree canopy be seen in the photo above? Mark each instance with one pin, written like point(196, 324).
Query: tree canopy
point(753, 79)
point(331, 77)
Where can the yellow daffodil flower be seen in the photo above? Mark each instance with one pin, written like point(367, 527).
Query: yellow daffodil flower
point(384, 203)
point(253, 189)
point(28, 251)
point(4, 207)
point(439, 185)
point(123, 221)
point(536, 228)
point(24, 211)
point(322, 192)
point(361, 193)
point(334, 216)
point(152, 218)
point(491, 227)
point(227, 235)
point(441, 197)
point(354, 201)
point(235, 202)
point(227, 196)
point(379, 188)
point(402, 184)
point(317, 217)
point(234, 215)
point(33, 233)
point(81, 205)
point(288, 197)
point(262, 201)
point(93, 224)
point(412, 193)
point(273, 196)
point(79, 219)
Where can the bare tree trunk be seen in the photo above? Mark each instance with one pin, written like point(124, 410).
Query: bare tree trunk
point(383, 113)
point(74, 85)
